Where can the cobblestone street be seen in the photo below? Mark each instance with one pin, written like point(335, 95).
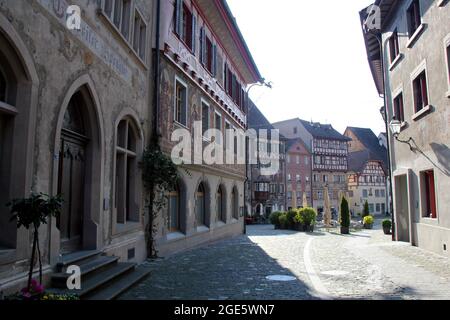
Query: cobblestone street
point(325, 265)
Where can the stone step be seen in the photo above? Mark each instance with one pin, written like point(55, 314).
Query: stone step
point(98, 279)
point(118, 286)
point(87, 267)
point(76, 258)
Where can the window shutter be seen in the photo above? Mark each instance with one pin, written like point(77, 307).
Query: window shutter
point(225, 79)
point(214, 60)
point(194, 32)
point(178, 16)
point(202, 45)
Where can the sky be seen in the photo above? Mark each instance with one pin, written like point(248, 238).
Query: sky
point(314, 53)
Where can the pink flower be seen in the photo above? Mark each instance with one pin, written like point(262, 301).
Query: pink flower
point(39, 288)
point(34, 283)
point(27, 295)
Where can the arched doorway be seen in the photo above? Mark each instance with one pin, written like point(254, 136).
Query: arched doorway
point(72, 175)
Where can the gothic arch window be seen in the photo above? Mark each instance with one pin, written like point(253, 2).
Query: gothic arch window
point(221, 204)
point(126, 172)
point(200, 205)
point(235, 203)
point(174, 208)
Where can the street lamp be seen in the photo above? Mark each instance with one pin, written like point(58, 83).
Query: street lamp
point(390, 198)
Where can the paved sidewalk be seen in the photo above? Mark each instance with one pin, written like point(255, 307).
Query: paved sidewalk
point(324, 264)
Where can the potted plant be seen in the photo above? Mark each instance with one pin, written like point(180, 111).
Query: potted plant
point(31, 213)
point(291, 223)
point(368, 222)
point(345, 217)
point(283, 221)
point(387, 225)
point(274, 219)
point(306, 217)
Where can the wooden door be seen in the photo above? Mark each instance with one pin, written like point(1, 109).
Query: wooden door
point(71, 187)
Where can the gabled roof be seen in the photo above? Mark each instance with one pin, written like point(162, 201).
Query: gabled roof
point(323, 131)
point(358, 160)
point(387, 7)
point(292, 142)
point(370, 141)
point(256, 119)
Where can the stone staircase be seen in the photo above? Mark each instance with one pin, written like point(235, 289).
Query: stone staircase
point(102, 277)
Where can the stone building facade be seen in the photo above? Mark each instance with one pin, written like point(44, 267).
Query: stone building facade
point(329, 158)
point(205, 66)
point(414, 60)
point(74, 120)
point(298, 173)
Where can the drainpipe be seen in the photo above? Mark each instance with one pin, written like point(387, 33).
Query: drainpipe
point(156, 93)
point(379, 38)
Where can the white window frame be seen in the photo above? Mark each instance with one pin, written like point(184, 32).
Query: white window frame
point(415, 36)
point(203, 102)
point(417, 71)
point(178, 80)
point(422, 196)
point(217, 113)
point(447, 62)
point(141, 46)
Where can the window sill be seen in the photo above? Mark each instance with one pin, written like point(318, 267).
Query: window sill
point(178, 124)
point(421, 113)
point(129, 226)
point(8, 109)
point(396, 62)
point(202, 229)
point(174, 236)
point(7, 256)
point(412, 40)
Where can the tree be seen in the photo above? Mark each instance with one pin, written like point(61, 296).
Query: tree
point(366, 211)
point(345, 216)
point(32, 213)
point(159, 174)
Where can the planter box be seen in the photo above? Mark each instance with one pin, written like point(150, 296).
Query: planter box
point(368, 226)
point(387, 231)
point(345, 230)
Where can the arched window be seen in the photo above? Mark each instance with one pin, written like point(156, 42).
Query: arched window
point(174, 221)
point(200, 205)
point(3, 86)
point(235, 203)
point(221, 205)
point(126, 175)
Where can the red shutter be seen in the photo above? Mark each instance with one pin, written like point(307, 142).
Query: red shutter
point(432, 194)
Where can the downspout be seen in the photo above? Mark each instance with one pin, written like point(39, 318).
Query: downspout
point(156, 93)
point(379, 38)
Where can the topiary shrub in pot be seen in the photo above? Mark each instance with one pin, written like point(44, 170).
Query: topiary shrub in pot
point(306, 217)
point(368, 222)
point(274, 219)
point(283, 221)
point(387, 225)
point(291, 224)
point(345, 217)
